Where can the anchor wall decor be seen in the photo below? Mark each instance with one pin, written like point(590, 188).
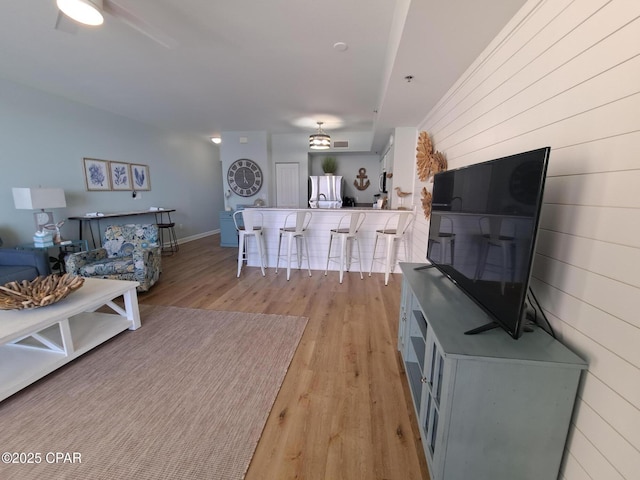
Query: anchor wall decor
point(362, 176)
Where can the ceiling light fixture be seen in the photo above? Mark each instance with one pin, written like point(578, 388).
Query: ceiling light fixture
point(320, 140)
point(88, 12)
point(216, 140)
point(340, 46)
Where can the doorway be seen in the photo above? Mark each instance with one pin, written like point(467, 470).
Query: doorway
point(287, 185)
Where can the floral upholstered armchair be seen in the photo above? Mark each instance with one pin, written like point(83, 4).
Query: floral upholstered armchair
point(129, 252)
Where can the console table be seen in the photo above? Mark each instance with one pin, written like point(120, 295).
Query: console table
point(88, 219)
point(35, 342)
point(488, 407)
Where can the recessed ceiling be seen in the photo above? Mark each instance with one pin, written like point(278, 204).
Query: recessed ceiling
point(255, 66)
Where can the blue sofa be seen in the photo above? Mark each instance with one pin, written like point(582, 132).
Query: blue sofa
point(18, 265)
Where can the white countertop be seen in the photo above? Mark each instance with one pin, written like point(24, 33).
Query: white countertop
point(342, 209)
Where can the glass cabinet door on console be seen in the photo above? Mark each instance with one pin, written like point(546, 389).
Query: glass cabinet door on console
point(414, 353)
point(433, 393)
point(405, 308)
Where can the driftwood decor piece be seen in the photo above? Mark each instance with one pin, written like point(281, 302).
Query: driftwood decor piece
point(40, 292)
point(429, 162)
point(426, 202)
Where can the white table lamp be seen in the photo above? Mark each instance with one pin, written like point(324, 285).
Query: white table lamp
point(39, 199)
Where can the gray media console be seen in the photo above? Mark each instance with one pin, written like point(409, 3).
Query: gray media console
point(488, 407)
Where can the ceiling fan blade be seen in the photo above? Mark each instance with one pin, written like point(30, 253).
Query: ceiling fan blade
point(137, 23)
point(66, 24)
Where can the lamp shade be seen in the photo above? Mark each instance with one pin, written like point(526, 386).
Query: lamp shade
point(38, 198)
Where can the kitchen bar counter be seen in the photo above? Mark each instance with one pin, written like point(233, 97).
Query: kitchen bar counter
point(322, 221)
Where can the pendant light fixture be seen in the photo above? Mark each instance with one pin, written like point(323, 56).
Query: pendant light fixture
point(88, 12)
point(320, 140)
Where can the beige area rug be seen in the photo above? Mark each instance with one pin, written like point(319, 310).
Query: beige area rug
point(184, 397)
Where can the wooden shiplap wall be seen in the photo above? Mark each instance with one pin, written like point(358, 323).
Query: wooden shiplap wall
point(566, 74)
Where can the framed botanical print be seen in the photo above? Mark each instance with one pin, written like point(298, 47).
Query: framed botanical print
point(140, 177)
point(120, 176)
point(96, 174)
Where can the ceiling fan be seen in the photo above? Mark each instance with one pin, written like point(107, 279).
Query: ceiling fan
point(71, 13)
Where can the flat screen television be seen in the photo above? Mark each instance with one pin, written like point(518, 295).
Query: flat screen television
point(483, 229)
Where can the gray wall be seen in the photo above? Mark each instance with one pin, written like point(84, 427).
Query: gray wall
point(349, 165)
point(43, 139)
point(253, 146)
point(267, 150)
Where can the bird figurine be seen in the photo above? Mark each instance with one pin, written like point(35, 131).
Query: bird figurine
point(57, 238)
point(400, 193)
point(401, 196)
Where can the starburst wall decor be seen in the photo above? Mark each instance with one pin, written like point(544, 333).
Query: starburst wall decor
point(428, 163)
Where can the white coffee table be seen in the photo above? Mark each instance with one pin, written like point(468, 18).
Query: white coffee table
point(34, 343)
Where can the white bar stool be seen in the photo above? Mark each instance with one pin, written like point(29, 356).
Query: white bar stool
point(250, 225)
point(500, 232)
point(347, 233)
point(295, 230)
point(393, 231)
point(441, 233)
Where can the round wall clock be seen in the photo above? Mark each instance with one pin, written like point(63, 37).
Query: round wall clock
point(244, 177)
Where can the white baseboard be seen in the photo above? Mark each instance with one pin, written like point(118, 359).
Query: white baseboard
point(197, 236)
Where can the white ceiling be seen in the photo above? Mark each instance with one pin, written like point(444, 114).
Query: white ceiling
point(249, 65)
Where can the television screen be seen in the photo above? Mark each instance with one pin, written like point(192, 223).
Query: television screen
point(483, 229)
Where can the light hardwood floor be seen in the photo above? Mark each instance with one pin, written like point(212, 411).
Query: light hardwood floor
point(343, 411)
